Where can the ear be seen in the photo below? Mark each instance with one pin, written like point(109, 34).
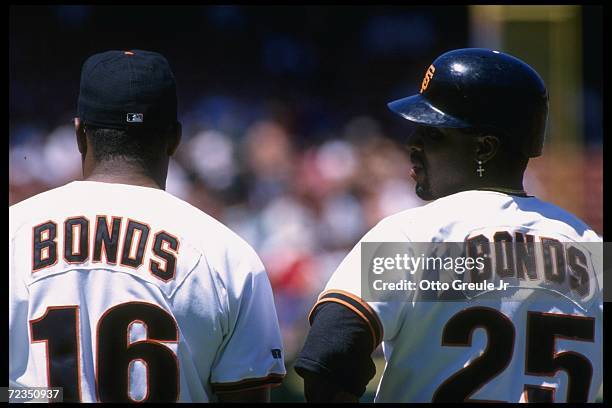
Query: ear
point(81, 137)
point(175, 139)
point(486, 147)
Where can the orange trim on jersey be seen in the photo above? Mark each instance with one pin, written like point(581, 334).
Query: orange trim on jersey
point(354, 297)
point(272, 379)
point(354, 309)
point(362, 302)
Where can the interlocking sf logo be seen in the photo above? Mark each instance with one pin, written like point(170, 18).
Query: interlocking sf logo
point(428, 75)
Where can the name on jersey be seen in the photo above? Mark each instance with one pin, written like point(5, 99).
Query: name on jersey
point(517, 256)
point(110, 240)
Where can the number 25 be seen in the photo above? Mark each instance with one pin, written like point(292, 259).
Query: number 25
point(541, 359)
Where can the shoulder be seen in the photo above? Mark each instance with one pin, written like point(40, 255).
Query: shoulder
point(35, 200)
point(407, 225)
point(20, 213)
point(208, 229)
point(440, 209)
point(570, 223)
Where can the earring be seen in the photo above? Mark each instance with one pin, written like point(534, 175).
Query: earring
point(480, 169)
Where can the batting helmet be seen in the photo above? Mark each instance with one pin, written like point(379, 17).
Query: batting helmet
point(484, 89)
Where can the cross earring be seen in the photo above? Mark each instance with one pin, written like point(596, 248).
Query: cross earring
point(480, 169)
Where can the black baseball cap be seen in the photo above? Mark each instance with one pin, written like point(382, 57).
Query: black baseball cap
point(123, 89)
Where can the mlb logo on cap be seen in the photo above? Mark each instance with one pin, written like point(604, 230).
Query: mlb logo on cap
point(135, 117)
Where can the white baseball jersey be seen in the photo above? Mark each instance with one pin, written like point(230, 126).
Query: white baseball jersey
point(126, 293)
point(479, 349)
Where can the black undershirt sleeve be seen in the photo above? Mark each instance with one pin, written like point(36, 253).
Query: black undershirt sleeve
point(336, 356)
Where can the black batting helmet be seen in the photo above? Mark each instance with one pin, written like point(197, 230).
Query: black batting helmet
point(483, 89)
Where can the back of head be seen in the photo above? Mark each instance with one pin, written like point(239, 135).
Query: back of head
point(127, 104)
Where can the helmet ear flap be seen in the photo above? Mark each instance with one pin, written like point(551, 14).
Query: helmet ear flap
point(533, 146)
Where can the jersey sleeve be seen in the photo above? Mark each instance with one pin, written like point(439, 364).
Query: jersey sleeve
point(251, 354)
point(344, 287)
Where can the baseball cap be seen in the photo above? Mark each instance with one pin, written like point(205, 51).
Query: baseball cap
point(123, 89)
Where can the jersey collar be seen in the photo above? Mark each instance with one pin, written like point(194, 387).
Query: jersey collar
point(509, 191)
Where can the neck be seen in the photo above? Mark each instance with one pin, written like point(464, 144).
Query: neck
point(500, 185)
point(503, 176)
point(507, 186)
point(510, 186)
point(122, 172)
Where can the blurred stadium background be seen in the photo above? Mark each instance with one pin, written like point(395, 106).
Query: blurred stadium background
point(287, 138)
